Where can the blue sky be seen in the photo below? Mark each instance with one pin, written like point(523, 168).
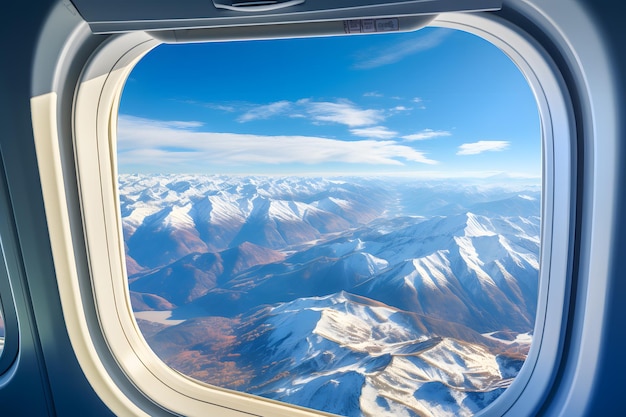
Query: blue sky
point(433, 103)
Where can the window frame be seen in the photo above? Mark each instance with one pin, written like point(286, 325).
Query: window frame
point(10, 351)
point(94, 127)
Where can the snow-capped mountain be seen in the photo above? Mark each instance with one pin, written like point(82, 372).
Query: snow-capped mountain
point(167, 217)
point(353, 296)
point(485, 279)
point(194, 275)
point(345, 354)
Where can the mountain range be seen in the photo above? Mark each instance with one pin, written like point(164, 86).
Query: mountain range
point(356, 296)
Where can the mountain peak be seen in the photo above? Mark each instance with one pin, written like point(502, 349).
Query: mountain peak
point(478, 226)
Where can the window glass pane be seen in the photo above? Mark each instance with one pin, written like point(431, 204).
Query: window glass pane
point(350, 224)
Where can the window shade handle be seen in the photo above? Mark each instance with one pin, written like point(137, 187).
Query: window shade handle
point(255, 5)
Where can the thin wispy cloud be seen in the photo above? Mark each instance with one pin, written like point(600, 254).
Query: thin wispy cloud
point(375, 132)
point(222, 107)
point(420, 103)
point(143, 142)
point(399, 109)
point(185, 125)
point(481, 146)
point(265, 111)
point(427, 134)
point(391, 54)
point(373, 94)
point(173, 124)
point(342, 112)
point(225, 107)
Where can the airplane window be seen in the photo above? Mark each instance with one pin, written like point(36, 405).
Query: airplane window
point(1, 331)
point(348, 224)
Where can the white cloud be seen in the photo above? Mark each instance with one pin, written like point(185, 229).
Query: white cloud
point(372, 94)
point(173, 124)
point(482, 146)
point(419, 101)
point(265, 111)
point(399, 109)
point(226, 107)
point(427, 134)
point(149, 143)
point(343, 112)
point(185, 125)
point(222, 107)
point(376, 132)
point(391, 54)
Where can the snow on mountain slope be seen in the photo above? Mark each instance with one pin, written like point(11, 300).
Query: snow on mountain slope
point(163, 237)
point(350, 355)
point(166, 217)
point(194, 275)
point(378, 352)
point(486, 280)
